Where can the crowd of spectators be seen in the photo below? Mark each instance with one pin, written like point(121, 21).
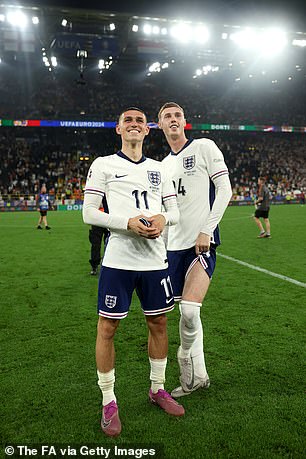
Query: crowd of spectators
point(216, 99)
point(27, 163)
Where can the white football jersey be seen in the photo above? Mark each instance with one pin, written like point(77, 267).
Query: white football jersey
point(131, 188)
point(194, 170)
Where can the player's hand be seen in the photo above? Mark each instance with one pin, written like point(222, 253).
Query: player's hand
point(158, 221)
point(149, 232)
point(202, 243)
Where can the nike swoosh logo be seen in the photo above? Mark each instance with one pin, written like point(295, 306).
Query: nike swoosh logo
point(120, 176)
point(190, 386)
point(105, 423)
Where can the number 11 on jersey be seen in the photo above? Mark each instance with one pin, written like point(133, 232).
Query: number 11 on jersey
point(166, 283)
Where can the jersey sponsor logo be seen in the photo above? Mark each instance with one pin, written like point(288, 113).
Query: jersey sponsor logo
point(189, 162)
point(154, 177)
point(110, 301)
point(120, 176)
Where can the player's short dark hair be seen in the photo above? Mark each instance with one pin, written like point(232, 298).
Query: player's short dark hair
point(262, 179)
point(131, 108)
point(169, 105)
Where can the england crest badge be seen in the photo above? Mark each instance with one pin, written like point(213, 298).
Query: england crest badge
point(154, 177)
point(189, 162)
point(110, 301)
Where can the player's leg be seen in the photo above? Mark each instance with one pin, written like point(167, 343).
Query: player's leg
point(95, 238)
point(154, 288)
point(261, 228)
point(268, 227)
point(157, 350)
point(191, 351)
point(198, 272)
point(105, 358)
point(39, 221)
point(114, 297)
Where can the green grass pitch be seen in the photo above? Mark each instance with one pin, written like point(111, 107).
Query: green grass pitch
point(254, 339)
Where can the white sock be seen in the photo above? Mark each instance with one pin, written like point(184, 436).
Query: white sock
point(189, 324)
point(197, 354)
point(157, 373)
point(106, 382)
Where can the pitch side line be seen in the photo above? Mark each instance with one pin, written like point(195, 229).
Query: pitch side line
point(262, 270)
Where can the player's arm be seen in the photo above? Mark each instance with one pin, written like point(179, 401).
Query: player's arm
point(223, 192)
point(260, 199)
point(93, 216)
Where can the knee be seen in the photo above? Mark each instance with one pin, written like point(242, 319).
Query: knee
point(157, 324)
point(190, 313)
point(107, 327)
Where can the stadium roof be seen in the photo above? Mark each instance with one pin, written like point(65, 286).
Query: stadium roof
point(143, 33)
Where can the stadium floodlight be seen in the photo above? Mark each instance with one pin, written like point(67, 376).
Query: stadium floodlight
point(17, 18)
point(300, 43)
point(53, 61)
point(45, 59)
point(165, 65)
point(2, 18)
point(64, 22)
point(201, 34)
point(81, 53)
point(181, 32)
point(245, 38)
point(35, 20)
point(156, 30)
point(206, 69)
point(164, 31)
point(147, 29)
point(198, 72)
point(155, 67)
point(224, 36)
point(112, 26)
point(272, 42)
point(101, 64)
point(135, 28)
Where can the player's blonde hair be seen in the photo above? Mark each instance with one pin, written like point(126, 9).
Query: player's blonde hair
point(169, 105)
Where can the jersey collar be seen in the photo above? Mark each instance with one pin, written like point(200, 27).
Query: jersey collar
point(185, 146)
point(122, 155)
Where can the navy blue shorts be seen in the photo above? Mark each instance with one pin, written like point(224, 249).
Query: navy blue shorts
point(181, 262)
point(116, 287)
